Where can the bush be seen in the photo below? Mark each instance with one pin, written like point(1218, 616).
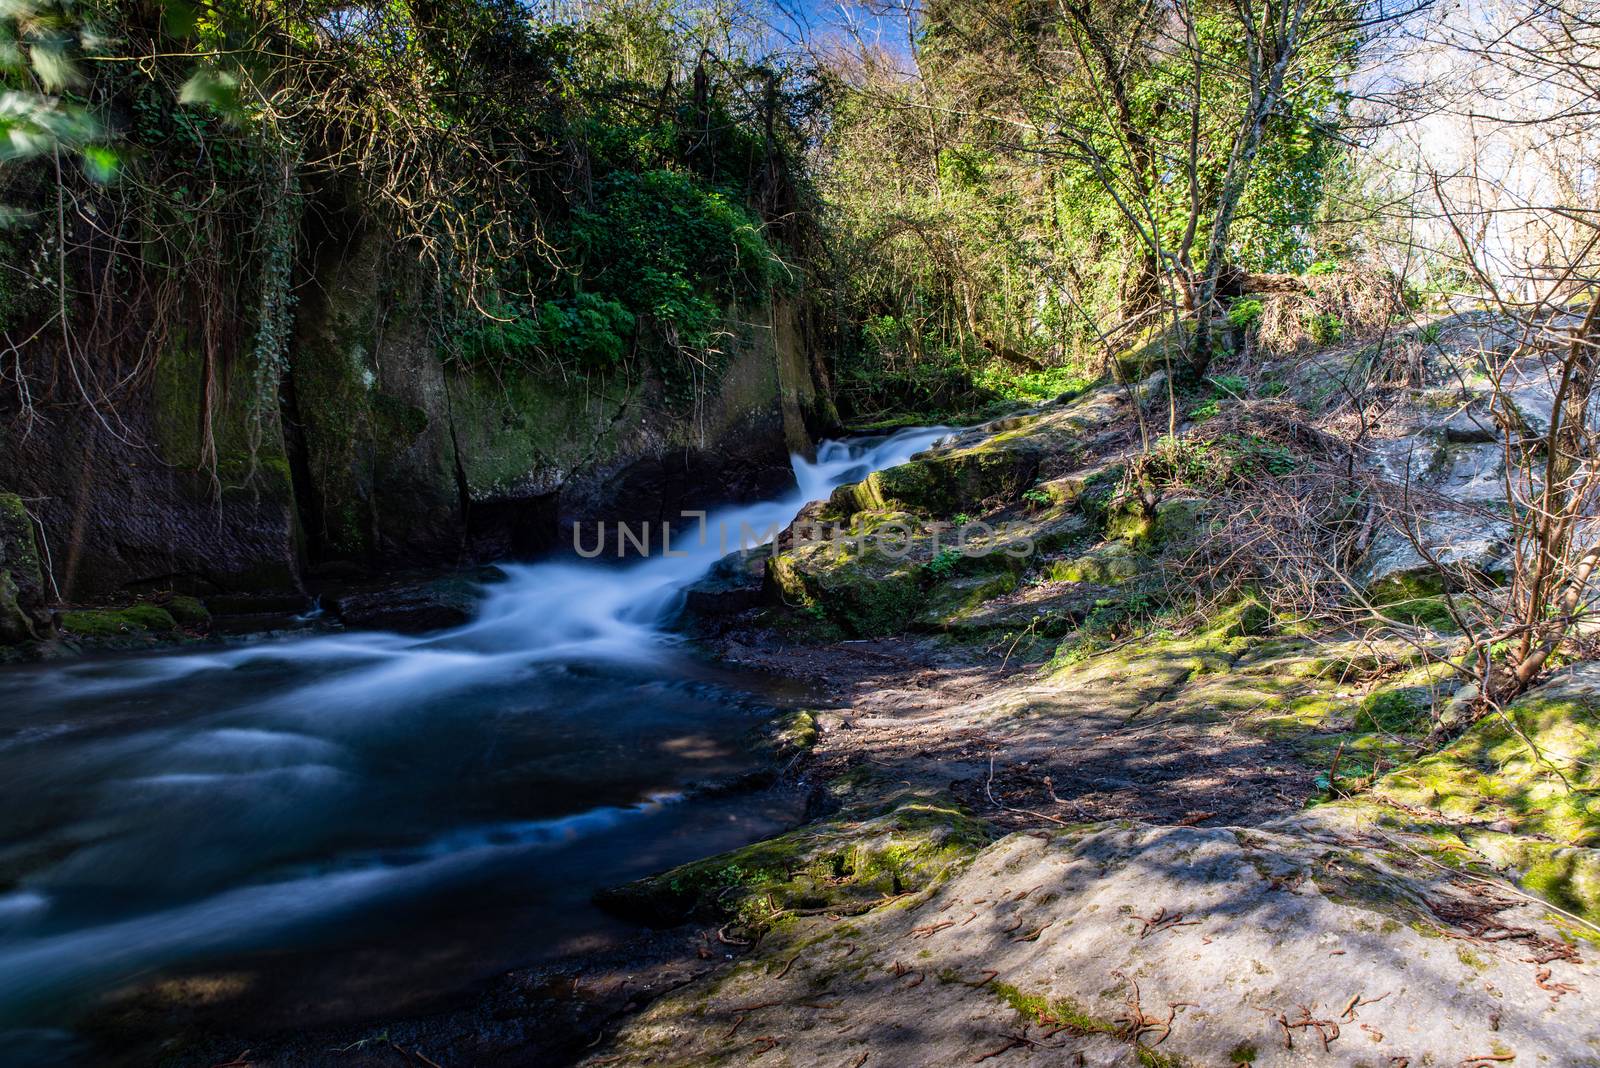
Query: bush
point(586, 332)
point(1245, 314)
point(1325, 328)
point(663, 246)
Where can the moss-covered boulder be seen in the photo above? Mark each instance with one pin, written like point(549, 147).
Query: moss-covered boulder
point(1169, 524)
point(961, 481)
point(132, 621)
point(869, 580)
point(188, 611)
point(1537, 768)
point(1112, 564)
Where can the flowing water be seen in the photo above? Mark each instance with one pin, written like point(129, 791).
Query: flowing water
point(362, 821)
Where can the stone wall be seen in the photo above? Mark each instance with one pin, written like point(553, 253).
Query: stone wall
point(372, 453)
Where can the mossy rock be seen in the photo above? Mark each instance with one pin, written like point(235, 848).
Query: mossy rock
point(21, 580)
point(118, 622)
point(1566, 876)
point(1543, 776)
point(188, 611)
point(1114, 564)
point(793, 734)
point(1430, 612)
point(1172, 523)
point(1397, 709)
point(950, 600)
point(942, 486)
point(1153, 350)
point(866, 589)
point(1406, 587)
point(838, 864)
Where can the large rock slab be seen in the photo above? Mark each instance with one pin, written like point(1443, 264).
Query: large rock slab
point(1311, 942)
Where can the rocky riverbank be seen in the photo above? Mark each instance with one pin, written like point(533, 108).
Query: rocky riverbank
point(1223, 841)
point(1050, 825)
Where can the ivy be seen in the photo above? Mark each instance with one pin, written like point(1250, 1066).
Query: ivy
point(669, 249)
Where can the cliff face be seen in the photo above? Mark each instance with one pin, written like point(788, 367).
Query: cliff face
point(371, 451)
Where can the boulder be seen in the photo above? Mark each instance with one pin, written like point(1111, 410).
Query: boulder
point(734, 584)
point(410, 608)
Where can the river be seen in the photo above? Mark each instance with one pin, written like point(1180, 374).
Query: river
point(386, 818)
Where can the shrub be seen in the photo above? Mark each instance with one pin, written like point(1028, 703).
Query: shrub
point(1325, 328)
point(1245, 314)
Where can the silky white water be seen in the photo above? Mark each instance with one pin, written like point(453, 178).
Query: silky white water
point(171, 808)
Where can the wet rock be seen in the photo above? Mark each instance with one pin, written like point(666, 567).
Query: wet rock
point(734, 584)
point(409, 608)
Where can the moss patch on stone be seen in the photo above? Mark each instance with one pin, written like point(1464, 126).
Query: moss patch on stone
point(839, 864)
point(114, 622)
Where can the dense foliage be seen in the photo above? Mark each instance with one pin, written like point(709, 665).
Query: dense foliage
point(1041, 184)
point(582, 194)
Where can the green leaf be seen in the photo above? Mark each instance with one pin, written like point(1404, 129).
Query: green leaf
point(101, 163)
point(212, 88)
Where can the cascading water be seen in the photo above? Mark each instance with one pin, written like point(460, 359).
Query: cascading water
point(162, 811)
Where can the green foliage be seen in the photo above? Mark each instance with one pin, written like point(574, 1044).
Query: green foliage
point(1214, 464)
point(1321, 267)
point(942, 565)
point(663, 246)
point(1003, 380)
point(1245, 314)
point(1325, 328)
point(42, 45)
point(586, 333)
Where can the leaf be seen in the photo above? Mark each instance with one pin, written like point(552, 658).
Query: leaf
point(212, 88)
point(101, 163)
point(181, 18)
point(54, 68)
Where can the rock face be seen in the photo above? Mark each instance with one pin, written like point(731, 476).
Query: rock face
point(178, 494)
point(408, 459)
point(1447, 453)
point(1304, 943)
point(22, 596)
point(370, 451)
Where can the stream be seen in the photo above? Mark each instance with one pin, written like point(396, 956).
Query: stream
point(363, 823)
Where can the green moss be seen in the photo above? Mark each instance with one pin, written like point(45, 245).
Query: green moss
point(1243, 1053)
point(941, 486)
point(1398, 709)
point(1406, 587)
point(1540, 773)
point(21, 580)
point(396, 425)
point(1431, 612)
point(796, 733)
point(1107, 565)
point(111, 622)
point(188, 610)
point(1062, 1011)
point(841, 863)
point(1077, 1021)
